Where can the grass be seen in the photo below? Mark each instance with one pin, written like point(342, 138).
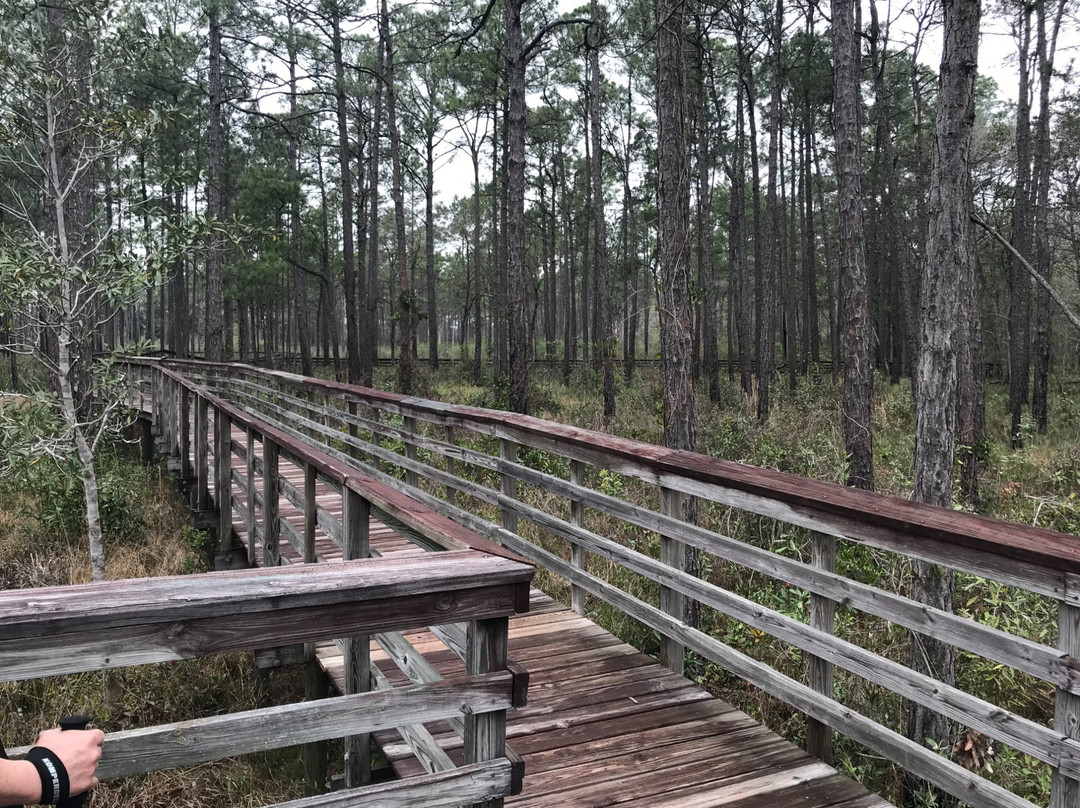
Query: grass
point(41, 544)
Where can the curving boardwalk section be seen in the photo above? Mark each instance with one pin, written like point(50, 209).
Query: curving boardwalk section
point(605, 724)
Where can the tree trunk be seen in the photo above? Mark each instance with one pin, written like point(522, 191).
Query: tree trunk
point(369, 348)
point(478, 355)
point(406, 304)
point(858, 374)
point(767, 288)
point(1020, 283)
point(213, 194)
point(710, 361)
point(515, 207)
point(352, 324)
point(300, 285)
point(602, 273)
point(949, 258)
point(429, 247)
point(1045, 49)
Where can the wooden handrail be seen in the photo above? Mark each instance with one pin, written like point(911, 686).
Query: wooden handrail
point(906, 523)
point(117, 623)
point(1038, 560)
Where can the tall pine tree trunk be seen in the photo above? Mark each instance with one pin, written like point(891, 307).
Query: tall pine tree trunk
point(1020, 283)
point(858, 373)
point(515, 206)
point(948, 265)
point(213, 193)
point(602, 273)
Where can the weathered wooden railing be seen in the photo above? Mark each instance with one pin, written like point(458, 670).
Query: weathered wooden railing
point(115, 624)
point(224, 476)
point(421, 447)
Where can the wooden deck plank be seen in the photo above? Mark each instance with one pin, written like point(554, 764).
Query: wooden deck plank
point(605, 724)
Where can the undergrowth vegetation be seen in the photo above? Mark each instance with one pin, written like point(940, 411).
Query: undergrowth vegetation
point(42, 543)
point(1036, 485)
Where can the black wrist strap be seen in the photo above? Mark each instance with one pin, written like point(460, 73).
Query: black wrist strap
point(54, 777)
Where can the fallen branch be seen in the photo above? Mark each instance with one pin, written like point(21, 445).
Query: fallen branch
point(1069, 313)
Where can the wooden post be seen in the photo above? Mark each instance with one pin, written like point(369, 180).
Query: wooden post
point(185, 434)
point(223, 481)
point(271, 520)
point(355, 522)
point(673, 554)
point(819, 738)
point(1064, 791)
point(353, 451)
point(508, 452)
point(376, 437)
point(451, 467)
point(485, 733)
point(146, 440)
point(311, 514)
point(249, 470)
point(202, 481)
point(577, 552)
point(316, 755)
point(410, 452)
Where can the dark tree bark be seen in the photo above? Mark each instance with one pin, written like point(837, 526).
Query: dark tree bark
point(602, 272)
point(429, 245)
point(213, 193)
point(858, 373)
point(948, 264)
point(515, 207)
point(673, 207)
point(710, 361)
point(299, 278)
point(811, 331)
point(405, 310)
point(1046, 45)
point(1020, 283)
point(767, 288)
point(568, 270)
point(352, 325)
point(369, 351)
point(478, 355)
point(740, 269)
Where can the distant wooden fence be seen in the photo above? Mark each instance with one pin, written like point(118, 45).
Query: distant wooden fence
point(466, 591)
point(420, 448)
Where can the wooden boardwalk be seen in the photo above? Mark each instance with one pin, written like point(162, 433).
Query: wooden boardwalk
point(605, 724)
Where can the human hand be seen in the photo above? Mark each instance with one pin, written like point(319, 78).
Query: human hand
point(79, 751)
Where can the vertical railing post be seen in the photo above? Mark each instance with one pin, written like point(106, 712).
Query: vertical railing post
point(202, 477)
point(451, 467)
point(223, 481)
point(376, 437)
point(577, 552)
point(353, 433)
point(185, 434)
point(509, 485)
point(673, 554)
point(819, 738)
point(485, 733)
point(355, 520)
point(169, 400)
point(249, 470)
point(311, 514)
point(271, 489)
point(1064, 791)
point(410, 451)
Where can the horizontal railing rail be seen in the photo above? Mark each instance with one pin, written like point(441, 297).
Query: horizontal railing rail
point(465, 463)
point(120, 623)
point(241, 481)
